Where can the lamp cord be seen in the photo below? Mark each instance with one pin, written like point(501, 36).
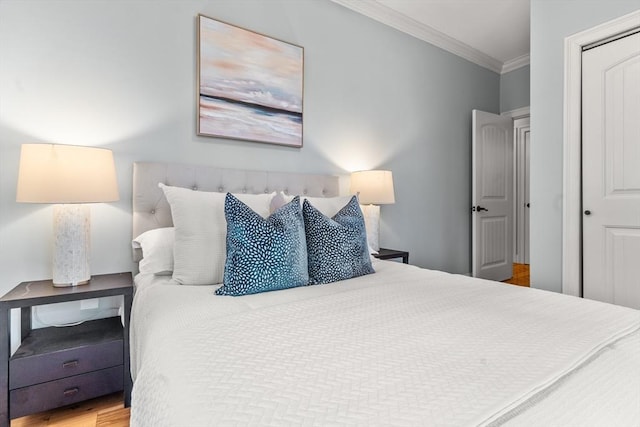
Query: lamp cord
point(60, 325)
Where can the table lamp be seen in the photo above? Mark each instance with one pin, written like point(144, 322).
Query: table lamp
point(373, 187)
point(67, 176)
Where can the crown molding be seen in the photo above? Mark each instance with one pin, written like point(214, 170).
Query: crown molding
point(515, 63)
point(390, 17)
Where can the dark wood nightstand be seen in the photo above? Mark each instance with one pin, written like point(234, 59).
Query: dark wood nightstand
point(384, 253)
point(54, 367)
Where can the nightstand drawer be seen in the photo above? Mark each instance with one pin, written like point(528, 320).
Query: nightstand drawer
point(54, 394)
point(40, 368)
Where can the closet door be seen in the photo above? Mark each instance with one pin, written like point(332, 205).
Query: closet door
point(611, 171)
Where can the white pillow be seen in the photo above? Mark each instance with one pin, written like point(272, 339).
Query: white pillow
point(157, 251)
point(199, 251)
point(328, 206)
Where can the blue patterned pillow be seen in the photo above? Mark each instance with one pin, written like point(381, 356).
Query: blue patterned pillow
point(263, 254)
point(337, 247)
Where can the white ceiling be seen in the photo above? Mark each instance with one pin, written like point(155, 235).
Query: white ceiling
point(491, 33)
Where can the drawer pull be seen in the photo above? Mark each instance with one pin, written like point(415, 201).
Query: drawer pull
point(70, 364)
point(71, 392)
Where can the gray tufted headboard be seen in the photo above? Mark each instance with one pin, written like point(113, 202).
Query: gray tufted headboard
point(151, 209)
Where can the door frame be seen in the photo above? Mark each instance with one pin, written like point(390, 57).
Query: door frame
point(520, 184)
point(572, 141)
point(517, 114)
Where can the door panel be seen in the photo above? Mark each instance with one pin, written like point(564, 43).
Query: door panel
point(611, 172)
point(494, 170)
point(622, 249)
point(494, 234)
point(492, 191)
point(623, 128)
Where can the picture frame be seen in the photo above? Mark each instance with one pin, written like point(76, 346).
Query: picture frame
point(250, 86)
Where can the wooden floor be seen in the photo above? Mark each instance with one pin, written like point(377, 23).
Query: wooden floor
point(107, 411)
point(520, 275)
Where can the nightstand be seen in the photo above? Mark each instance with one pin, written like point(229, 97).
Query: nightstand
point(55, 367)
point(384, 253)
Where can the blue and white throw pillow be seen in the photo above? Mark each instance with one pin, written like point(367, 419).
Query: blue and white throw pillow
point(337, 247)
point(263, 254)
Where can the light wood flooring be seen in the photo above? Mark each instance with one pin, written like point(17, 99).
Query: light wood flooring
point(520, 275)
point(109, 411)
point(106, 411)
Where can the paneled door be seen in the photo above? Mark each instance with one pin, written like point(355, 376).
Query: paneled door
point(492, 196)
point(611, 171)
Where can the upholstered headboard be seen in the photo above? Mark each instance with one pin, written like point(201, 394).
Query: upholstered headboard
point(151, 209)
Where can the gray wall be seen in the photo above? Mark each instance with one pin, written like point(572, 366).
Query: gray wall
point(514, 89)
point(551, 23)
point(122, 75)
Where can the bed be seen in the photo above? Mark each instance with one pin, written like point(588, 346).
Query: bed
point(402, 346)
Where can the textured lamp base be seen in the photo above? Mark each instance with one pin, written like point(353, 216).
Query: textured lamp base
point(371, 214)
point(72, 245)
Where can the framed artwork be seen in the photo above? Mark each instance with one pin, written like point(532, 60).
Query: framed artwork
point(250, 86)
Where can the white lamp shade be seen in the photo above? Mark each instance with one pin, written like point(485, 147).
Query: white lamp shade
point(66, 174)
point(373, 187)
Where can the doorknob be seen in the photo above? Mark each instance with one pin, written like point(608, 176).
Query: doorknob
point(527, 204)
point(587, 212)
point(480, 209)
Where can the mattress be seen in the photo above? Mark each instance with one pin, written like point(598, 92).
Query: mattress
point(403, 346)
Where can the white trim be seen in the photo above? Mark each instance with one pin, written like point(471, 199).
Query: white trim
point(515, 63)
point(521, 127)
point(571, 204)
point(390, 17)
point(518, 113)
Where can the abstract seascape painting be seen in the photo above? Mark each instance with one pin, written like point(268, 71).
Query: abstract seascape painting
point(250, 86)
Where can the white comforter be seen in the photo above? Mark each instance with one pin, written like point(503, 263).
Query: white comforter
point(404, 346)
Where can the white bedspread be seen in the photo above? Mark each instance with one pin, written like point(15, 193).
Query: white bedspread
point(404, 346)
